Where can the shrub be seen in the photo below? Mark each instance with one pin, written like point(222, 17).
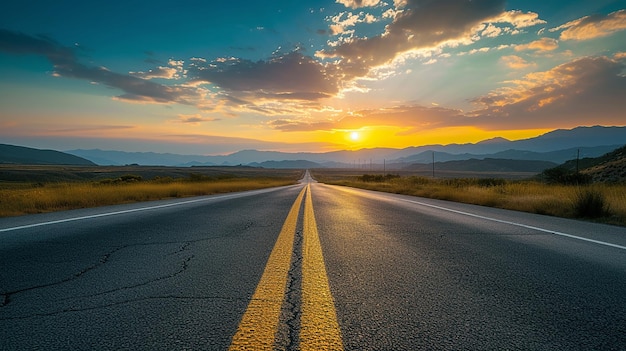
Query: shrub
point(560, 175)
point(377, 177)
point(163, 180)
point(198, 177)
point(590, 203)
point(419, 180)
point(130, 178)
point(489, 182)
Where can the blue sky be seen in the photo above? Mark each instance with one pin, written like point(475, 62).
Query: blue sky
point(213, 77)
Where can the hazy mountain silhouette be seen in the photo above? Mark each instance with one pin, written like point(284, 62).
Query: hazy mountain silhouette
point(558, 156)
point(11, 154)
point(297, 164)
point(556, 146)
point(486, 165)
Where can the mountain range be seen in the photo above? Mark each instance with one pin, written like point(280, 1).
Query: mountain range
point(11, 154)
point(557, 147)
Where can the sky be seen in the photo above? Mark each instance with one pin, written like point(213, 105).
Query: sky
point(215, 77)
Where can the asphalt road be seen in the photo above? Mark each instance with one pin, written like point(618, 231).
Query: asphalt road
point(357, 270)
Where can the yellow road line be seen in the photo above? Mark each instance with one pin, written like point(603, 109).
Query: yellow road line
point(259, 323)
point(319, 329)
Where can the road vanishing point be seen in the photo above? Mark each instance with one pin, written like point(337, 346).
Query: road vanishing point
point(310, 267)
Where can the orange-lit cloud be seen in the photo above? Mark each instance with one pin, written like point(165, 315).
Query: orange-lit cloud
point(595, 26)
point(519, 19)
point(91, 130)
point(341, 22)
point(541, 45)
point(420, 25)
point(567, 94)
point(354, 4)
point(516, 62)
point(195, 119)
point(574, 92)
point(159, 72)
point(404, 117)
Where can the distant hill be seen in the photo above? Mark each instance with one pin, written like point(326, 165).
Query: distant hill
point(560, 139)
point(610, 167)
point(121, 158)
point(558, 156)
point(488, 165)
point(10, 154)
point(297, 164)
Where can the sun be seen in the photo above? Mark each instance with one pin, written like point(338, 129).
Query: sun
point(354, 136)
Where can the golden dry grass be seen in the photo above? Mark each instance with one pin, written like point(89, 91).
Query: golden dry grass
point(21, 199)
point(527, 196)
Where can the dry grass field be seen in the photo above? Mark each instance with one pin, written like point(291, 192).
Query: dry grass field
point(37, 189)
point(602, 202)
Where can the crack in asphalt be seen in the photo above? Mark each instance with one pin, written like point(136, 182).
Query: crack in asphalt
point(104, 259)
point(184, 266)
point(287, 335)
point(6, 296)
point(124, 302)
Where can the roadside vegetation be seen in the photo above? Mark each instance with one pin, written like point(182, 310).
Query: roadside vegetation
point(18, 198)
point(561, 197)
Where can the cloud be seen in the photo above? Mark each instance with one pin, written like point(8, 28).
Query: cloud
point(492, 31)
point(519, 19)
point(66, 64)
point(400, 3)
point(92, 129)
point(421, 24)
point(344, 20)
point(289, 76)
point(541, 45)
point(569, 93)
point(354, 4)
point(194, 119)
point(595, 26)
point(159, 72)
point(409, 118)
point(516, 62)
point(174, 71)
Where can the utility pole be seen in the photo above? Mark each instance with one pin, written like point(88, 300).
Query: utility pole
point(433, 164)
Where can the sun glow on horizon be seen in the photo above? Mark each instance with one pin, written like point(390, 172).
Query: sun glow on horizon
point(354, 136)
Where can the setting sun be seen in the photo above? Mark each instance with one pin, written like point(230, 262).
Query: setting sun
point(354, 136)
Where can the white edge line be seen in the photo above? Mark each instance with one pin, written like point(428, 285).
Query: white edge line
point(517, 224)
point(106, 214)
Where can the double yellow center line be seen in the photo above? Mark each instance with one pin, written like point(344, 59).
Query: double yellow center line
point(319, 329)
